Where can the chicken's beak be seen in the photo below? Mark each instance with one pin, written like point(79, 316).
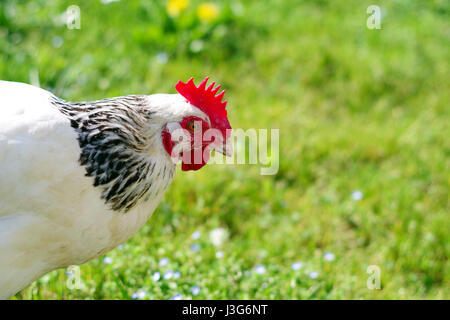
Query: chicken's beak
point(225, 149)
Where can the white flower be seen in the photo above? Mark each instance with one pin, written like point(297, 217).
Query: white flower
point(107, 260)
point(140, 294)
point(429, 237)
point(172, 285)
point(103, 84)
point(69, 273)
point(328, 256)
point(109, 1)
point(177, 297)
point(176, 275)
point(357, 195)
point(218, 236)
point(168, 275)
point(196, 46)
point(195, 290)
point(195, 247)
point(219, 254)
point(163, 262)
point(57, 41)
point(296, 216)
point(196, 235)
point(156, 276)
point(313, 274)
point(297, 265)
point(162, 58)
point(260, 269)
point(262, 253)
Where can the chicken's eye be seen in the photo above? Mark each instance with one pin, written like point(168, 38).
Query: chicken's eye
point(191, 125)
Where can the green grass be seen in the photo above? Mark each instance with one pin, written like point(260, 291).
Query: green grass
point(357, 109)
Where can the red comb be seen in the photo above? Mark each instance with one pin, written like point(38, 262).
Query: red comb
point(206, 100)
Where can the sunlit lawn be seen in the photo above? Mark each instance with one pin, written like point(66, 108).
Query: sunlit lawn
point(364, 149)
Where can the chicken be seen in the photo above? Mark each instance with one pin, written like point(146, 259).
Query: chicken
point(78, 179)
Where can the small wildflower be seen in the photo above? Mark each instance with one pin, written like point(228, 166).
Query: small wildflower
point(163, 262)
point(175, 7)
point(237, 8)
point(195, 247)
point(107, 260)
point(10, 11)
point(156, 276)
point(207, 12)
point(140, 294)
point(357, 195)
point(162, 58)
point(262, 253)
point(103, 84)
point(196, 46)
point(260, 269)
point(69, 273)
point(219, 254)
point(87, 59)
point(57, 41)
point(177, 297)
point(177, 275)
point(328, 256)
point(296, 216)
point(172, 285)
point(196, 235)
point(109, 1)
point(120, 246)
point(218, 236)
point(297, 265)
point(313, 274)
point(195, 290)
point(168, 275)
point(429, 237)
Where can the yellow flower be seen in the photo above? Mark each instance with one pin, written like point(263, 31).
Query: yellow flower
point(174, 7)
point(207, 12)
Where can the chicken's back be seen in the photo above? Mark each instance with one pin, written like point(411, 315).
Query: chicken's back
point(40, 180)
point(37, 151)
point(37, 147)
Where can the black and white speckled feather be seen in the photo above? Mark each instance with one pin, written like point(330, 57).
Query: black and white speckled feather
point(113, 139)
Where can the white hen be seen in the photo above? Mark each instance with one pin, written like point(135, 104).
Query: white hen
point(78, 179)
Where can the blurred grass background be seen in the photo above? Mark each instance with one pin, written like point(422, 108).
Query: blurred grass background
point(364, 148)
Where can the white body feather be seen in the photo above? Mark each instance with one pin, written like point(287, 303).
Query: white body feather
point(51, 216)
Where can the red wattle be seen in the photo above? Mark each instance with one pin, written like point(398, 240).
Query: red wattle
point(191, 163)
